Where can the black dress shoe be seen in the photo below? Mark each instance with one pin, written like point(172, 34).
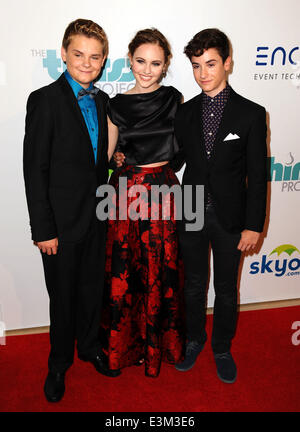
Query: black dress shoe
point(226, 367)
point(193, 349)
point(101, 365)
point(54, 387)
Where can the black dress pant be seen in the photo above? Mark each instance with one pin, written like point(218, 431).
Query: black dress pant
point(226, 258)
point(74, 279)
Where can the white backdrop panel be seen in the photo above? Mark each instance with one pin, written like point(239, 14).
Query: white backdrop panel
point(31, 34)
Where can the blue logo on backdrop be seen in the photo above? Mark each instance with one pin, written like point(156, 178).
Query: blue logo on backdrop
point(275, 58)
point(278, 267)
point(266, 56)
point(115, 71)
point(288, 173)
point(116, 76)
point(53, 64)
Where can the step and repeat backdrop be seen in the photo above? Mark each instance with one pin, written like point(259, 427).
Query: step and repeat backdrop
point(266, 68)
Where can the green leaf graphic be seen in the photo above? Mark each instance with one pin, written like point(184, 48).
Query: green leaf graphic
point(288, 248)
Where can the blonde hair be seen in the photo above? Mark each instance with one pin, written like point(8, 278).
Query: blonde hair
point(87, 28)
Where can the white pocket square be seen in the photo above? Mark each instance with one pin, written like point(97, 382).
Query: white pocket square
point(231, 137)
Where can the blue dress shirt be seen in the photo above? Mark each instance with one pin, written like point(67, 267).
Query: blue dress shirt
point(89, 111)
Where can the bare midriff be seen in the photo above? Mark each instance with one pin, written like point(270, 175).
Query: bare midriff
point(156, 164)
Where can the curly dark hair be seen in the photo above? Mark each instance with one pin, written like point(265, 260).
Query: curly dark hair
point(208, 38)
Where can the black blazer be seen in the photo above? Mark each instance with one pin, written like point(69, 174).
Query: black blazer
point(236, 173)
point(60, 173)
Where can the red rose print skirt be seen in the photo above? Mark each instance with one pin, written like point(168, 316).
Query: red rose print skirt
point(143, 313)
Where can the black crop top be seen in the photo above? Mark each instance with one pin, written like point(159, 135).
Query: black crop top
point(146, 125)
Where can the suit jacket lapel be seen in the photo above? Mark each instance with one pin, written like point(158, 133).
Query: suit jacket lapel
point(197, 127)
point(75, 108)
point(101, 111)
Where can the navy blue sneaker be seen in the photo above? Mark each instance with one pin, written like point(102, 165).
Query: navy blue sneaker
point(226, 368)
point(193, 349)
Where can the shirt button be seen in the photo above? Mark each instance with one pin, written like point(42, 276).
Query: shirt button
point(93, 129)
point(212, 115)
point(87, 110)
point(210, 133)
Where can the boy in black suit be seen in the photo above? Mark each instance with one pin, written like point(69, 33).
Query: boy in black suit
point(222, 137)
point(65, 160)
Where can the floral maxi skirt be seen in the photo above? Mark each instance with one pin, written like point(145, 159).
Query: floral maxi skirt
point(143, 311)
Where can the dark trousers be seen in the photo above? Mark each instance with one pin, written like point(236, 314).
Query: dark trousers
point(74, 279)
point(226, 258)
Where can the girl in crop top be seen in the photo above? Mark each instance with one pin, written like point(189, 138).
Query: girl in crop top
point(143, 307)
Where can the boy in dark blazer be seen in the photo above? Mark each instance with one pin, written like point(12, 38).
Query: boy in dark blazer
point(222, 137)
point(65, 160)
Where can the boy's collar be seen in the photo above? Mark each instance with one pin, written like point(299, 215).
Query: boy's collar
point(223, 94)
point(76, 87)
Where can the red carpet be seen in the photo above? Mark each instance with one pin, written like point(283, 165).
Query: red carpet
point(268, 375)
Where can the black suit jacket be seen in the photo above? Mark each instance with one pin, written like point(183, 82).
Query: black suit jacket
point(60, 173)
point(236, 173)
